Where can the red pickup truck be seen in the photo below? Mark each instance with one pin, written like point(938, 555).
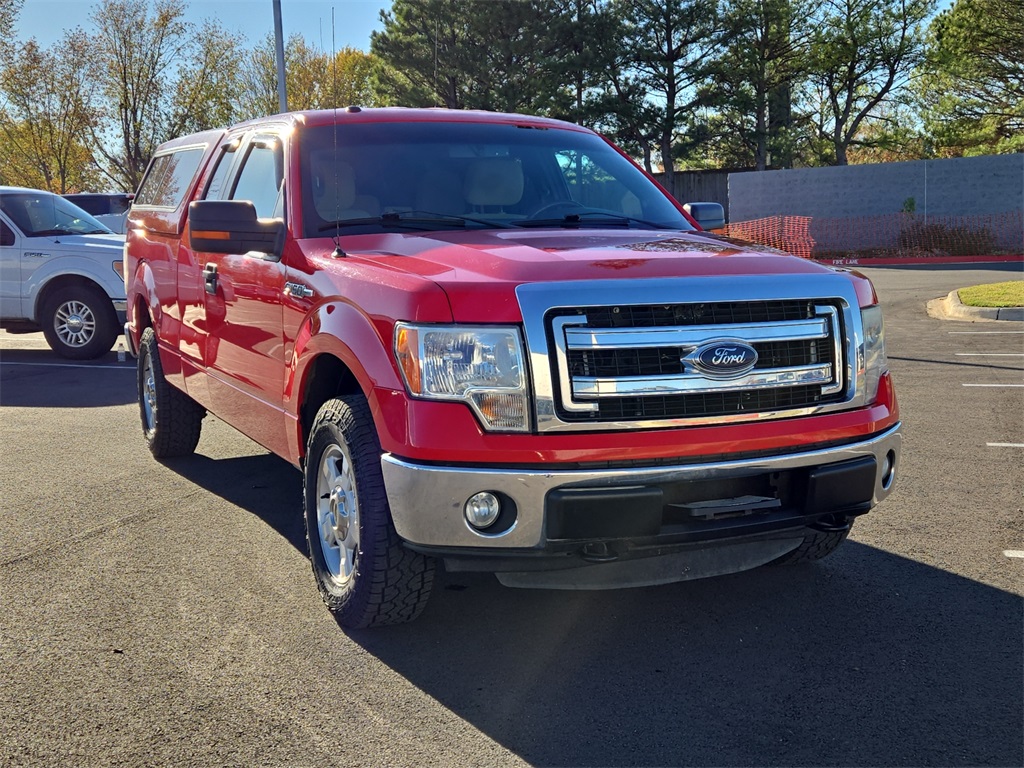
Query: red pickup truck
point(493, 342)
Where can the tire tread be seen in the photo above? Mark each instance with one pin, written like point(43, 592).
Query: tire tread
point(179, 418)
point(393, 582)
point(815, 546)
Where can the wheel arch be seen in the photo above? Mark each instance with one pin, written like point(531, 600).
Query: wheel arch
point(326, 377)
point(58, 282)
point(338, 351)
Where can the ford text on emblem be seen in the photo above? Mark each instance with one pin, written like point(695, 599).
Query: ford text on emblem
point(725, 359)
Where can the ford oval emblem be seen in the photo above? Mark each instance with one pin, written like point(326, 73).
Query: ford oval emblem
point(724, 359)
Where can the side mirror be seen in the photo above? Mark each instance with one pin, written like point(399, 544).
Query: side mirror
point(231, 226)
point(708, 215)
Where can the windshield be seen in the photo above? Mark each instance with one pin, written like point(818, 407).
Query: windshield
point(376, 177)
point(41, 214)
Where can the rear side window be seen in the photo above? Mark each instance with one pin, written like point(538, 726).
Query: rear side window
point(169, 178)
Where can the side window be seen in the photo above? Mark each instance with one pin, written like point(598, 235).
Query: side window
point(6, 234)
point(261, 178)
point(150, 188)
point(215, 188)
point(168, 178)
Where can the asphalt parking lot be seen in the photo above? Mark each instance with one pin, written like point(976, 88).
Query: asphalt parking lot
point(164, 614)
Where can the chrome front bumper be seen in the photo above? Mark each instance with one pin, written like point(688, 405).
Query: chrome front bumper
point(427, 501)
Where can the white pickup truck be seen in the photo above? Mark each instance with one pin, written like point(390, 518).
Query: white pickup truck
point(60, 272)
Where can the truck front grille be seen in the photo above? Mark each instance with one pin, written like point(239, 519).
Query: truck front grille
point(635, 363)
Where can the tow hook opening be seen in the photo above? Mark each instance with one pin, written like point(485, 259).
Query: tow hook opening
point(832, 524)
point(598, 552)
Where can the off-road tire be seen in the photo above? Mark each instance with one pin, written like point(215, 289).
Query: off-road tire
point(381, 582)
point(171, 420)
point(79, 322)
point(816, 545)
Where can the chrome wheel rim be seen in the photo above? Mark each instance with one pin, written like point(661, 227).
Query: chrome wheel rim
point(74, 323)
point(337, 513)
point(148, 393)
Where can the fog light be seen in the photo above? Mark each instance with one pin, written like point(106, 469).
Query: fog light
point(888, 470)
point(482, 510)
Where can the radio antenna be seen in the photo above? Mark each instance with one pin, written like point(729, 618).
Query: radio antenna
point(338, 252)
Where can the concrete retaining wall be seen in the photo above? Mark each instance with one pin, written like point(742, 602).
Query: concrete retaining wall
point(960, 187)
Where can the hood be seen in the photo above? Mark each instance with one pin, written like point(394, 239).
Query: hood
point(78, 245)
point(479, 271)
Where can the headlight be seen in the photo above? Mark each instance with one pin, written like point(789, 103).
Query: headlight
point(480, 365)
point(875, 362)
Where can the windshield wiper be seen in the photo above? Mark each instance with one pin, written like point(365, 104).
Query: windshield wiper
point(423, 220)
point(591, 218)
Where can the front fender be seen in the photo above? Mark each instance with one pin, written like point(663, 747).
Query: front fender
point(142, 291)
point(341, 331)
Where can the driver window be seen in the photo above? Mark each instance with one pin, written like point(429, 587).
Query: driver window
point(6, 234)
point(261, 178)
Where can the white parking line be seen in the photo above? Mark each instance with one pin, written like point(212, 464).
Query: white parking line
point(1005, 445)
point(983, 333)
point(994, 385)
point(1013, 553)
point(4, 363)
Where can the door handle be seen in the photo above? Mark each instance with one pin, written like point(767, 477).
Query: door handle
point(210, 278)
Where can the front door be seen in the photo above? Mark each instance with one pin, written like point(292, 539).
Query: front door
point(242, 294)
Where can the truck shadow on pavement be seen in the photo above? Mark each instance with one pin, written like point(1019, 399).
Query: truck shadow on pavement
point(865, 659)
point(262, 484)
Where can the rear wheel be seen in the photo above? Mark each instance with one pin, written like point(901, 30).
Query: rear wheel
point(364, 574)
point(171, 420)
point(79, 322)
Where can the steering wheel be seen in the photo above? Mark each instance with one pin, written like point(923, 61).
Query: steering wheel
point(550, 207)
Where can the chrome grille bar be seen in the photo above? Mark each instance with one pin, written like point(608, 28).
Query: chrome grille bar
point(691, 337)
point(588, 387)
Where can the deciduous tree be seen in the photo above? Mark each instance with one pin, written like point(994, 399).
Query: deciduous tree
point(9, 10)
point(47, 114)
point(314, 79)
point(863, 51)
point(160, 76)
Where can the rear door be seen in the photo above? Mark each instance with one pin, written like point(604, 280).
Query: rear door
point(242, 311)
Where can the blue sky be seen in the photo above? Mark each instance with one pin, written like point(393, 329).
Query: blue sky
point(354, 20)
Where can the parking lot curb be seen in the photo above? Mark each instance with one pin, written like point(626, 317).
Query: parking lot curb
point(950, 307)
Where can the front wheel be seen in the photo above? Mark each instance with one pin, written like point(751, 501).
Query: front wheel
point(815, 546)
point(79, 322)
point(171, 420)
point(364, 574)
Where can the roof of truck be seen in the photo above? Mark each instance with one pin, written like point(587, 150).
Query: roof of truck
point(354, 114)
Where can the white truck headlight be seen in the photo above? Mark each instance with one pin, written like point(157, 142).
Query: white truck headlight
point(482, 366)
point(875, 362)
